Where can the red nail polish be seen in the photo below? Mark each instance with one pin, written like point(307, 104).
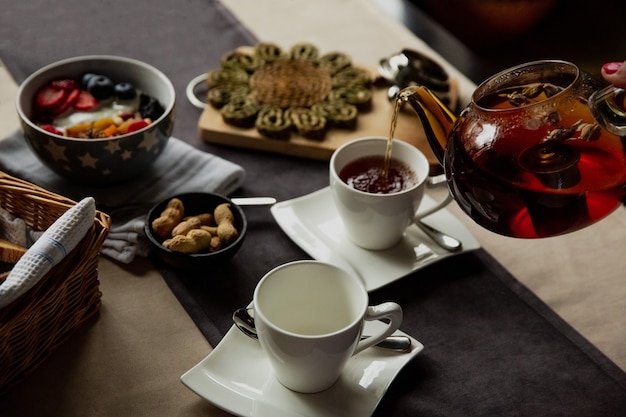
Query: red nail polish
point(611, 67)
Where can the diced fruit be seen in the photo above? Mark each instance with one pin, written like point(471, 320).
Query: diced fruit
point(103, 123)
point(136, 125)
point(79, 130)
point(123, 127)
point(72, 97)
point(111, 130)
point(86, 101)
point(51, 129)
point(65, 84)
point(48, 98)
point(101, 87)
point(125, 91)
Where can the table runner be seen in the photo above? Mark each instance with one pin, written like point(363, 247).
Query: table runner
point(492, 348)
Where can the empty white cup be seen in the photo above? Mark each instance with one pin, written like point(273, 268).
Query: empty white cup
point(309, 316)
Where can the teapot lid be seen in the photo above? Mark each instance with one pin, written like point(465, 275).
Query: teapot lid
point(557, 72)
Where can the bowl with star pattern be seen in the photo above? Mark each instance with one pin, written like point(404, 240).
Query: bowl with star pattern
point(98, 119)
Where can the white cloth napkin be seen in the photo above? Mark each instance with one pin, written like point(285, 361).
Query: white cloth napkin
point(181, 168)
point(51, 247)
point(15, 230)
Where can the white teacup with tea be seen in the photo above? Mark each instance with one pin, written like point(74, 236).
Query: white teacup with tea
point(309, 316)
point(375, 209)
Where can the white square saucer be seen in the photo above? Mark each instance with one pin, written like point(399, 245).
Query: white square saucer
point(236, 376)
point(312, 222)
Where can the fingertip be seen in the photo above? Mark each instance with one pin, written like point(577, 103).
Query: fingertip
point(611, 68)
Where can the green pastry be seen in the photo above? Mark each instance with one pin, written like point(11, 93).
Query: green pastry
point(304, 50)
point(339, 114)
point(334, 62)
point(227, 76)
point(238, 59)
point(241, 112)
point(308, 123)
point(221, 94)
point(351, 76)
point(357, 95)
point(269, 52)
point(273, 123)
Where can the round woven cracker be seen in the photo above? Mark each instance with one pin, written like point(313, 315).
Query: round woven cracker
point(290, 83)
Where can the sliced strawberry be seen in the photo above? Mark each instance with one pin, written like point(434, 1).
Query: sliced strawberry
point(72, 98)
point(136, 125)
point(48, 98)
point(85, 101)
point(65, 84)
point(51, 129)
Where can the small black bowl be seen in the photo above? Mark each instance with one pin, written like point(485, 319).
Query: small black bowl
point(196, 203)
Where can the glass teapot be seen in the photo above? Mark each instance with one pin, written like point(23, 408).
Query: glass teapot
point(536, 153)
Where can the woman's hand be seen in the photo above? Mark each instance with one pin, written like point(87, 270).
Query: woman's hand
point(615, 73)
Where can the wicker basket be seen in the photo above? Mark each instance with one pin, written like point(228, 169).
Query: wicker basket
point(38, 322)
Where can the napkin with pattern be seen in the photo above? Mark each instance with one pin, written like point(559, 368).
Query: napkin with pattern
point(48, 250)
point(181, 168)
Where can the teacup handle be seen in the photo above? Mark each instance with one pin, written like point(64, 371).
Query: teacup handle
point(435, 208)
point(390, 311)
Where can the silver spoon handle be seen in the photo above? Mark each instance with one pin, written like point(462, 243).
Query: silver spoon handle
point(399, 343)
point(254, 201)
point(445, 241)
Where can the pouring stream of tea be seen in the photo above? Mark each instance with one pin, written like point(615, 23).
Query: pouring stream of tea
point(392, 132)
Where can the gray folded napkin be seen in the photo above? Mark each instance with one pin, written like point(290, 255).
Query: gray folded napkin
point(181, 168)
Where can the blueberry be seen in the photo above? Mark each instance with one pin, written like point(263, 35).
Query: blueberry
point(101, 87)
point(149, 107)
point(85, 79)
point(125, 91)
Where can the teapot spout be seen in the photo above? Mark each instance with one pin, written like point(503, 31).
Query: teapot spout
point(437, 119)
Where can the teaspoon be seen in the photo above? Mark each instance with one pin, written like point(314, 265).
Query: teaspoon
point(446, 241)
point(254, 201)
point(244, 320)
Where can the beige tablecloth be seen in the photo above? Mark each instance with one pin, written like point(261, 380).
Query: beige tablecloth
point(105, 367)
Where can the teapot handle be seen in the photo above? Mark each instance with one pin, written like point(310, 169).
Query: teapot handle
point(608, 107)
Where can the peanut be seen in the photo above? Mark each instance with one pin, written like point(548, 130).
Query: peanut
point(193, 222)
point(197, 240)
point(210, 229)
point(225, 223)
point(216, 244)
point(169, 218)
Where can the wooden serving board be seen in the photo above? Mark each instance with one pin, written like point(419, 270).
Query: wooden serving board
point(376, 122)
